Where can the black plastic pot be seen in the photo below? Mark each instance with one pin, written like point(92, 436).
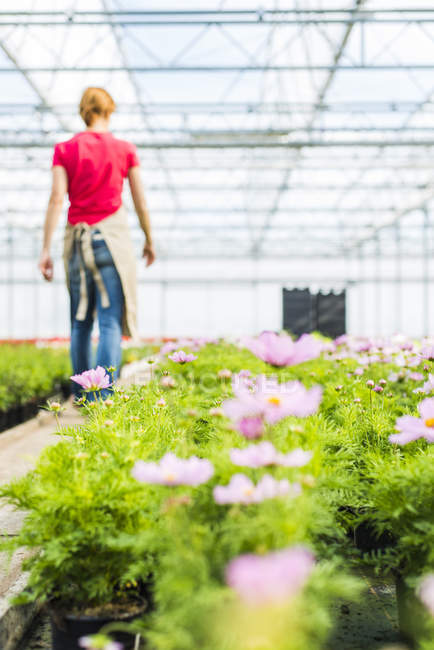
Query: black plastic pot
point(23, 412)
point(363, 534)
point(68, 629)
point(367, 539)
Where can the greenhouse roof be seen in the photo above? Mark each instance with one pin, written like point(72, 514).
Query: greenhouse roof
point(282, 129)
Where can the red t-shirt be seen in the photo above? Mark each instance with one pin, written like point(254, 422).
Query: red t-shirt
point(96, 165)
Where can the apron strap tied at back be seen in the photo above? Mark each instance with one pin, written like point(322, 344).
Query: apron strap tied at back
point(83, 239)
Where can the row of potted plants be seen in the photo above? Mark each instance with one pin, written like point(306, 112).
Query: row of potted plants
point(213, 505)
point(29, 374)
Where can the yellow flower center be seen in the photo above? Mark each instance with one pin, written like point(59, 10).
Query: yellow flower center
point(170, 477)
point(274, 400)
point(429, 422)
point(248, 492)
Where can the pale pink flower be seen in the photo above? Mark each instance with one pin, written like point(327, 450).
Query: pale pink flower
point(216, 411)
point(281, 350)
point(427, 353)
point(172, 470)
point(271, 402)
point(258, 455)
point(264, 453)
point(182, 357)
point(224, 373)
point(99, 642)
point(251, 427)
point(242, 379)
point(281, 400)
point(167, 381)
point(170, 346)
point(271, 578)
point(245, 405)
point(241, 489)
point(428, 386)
point(93, 379)
point(412, 428)
point(426, 592)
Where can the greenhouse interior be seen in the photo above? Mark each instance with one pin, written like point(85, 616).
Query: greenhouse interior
point(217, 332)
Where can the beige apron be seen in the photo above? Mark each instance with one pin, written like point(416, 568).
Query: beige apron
point(117, 236)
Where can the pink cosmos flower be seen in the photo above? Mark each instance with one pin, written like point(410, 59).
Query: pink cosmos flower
point(281, 350)
point(170, 346)
point(174, 471)
point(264, 454)
point(241, 489)
point(427, 353)
point(271, 578)
point(92, 380)
point(426, 592)
point(245, 405)
point(251, 427)
point(243, 379)
point(428, 386)
point(280, 400)
point(167, 381)
point(270, 402)
point(182, 357)
point(412, 428)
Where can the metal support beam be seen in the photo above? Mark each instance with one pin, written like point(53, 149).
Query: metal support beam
point(247, 144)
point(192, 69)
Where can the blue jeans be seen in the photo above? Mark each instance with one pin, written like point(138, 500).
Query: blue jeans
point(109, 318)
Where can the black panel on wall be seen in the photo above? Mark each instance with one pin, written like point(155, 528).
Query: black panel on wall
point(306, 312)
point(330, 310)
point(297, 311)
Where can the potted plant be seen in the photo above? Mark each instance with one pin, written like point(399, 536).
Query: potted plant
point(84, 512)
point(401, 493)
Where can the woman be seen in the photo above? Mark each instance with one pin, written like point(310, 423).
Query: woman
point(98, 252)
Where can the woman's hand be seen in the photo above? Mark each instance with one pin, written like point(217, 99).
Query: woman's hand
point(149, 253)
point(46, 266)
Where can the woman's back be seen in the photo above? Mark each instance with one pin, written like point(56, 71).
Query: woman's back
point(96, 164)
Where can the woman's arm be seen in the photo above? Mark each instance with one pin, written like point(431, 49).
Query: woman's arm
point(55, 203)
point(142, 212)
